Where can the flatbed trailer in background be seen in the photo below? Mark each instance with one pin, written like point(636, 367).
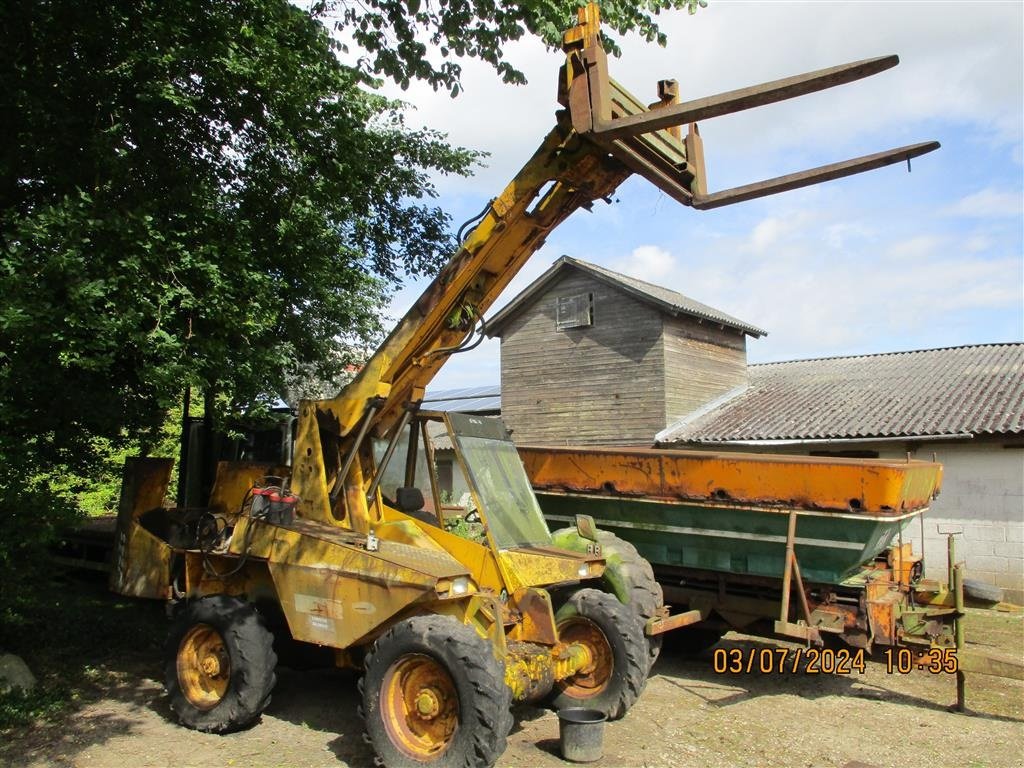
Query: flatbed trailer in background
point(89, 545)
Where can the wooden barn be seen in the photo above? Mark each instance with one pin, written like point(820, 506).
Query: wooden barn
point(592, 357)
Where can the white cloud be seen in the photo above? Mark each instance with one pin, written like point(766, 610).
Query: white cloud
point(507, 121)
point(861, 305)
point(648, 262)
point(771, 230)
point(914, 248)
point(765, 234)
point(988, 203)
point(816, 298)
point(977, 243)
point(838, 235)
point(955, 64)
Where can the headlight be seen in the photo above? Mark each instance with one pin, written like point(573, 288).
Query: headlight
point(457, 587)
point(583, 571)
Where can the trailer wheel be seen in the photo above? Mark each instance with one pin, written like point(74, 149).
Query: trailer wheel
point(618, 670)
point(628, 576)
point(220, 663)
point(434, 694)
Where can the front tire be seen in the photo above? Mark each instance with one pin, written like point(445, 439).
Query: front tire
point(219, 667)
point(619, 662)
point(434, 694)
point(627, 575)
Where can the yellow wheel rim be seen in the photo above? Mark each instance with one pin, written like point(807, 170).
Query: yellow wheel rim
point(419, 705)
point(592, 679)
point(204, 667)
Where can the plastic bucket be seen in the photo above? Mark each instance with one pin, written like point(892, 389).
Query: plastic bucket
point(581, 733)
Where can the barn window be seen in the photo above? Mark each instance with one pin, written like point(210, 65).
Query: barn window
point(574, 311)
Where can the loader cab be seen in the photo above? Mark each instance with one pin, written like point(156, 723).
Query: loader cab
point(485, 514)
point(462, 473)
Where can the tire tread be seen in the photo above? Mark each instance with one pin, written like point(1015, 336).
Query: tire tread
point(253, 661)
point(488, 724)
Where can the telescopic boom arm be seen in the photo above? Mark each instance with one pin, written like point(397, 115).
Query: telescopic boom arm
point(602, 137)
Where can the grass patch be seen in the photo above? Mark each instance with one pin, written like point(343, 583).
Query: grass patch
point(46, 702)
point(73, 633)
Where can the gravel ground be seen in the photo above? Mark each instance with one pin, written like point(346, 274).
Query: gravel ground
point(688, 715)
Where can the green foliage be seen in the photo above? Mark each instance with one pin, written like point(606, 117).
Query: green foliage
point(400, 37)
point(74, 635)
point(190, 193)
point(96, 491)
point(460, 527)
point(196, 193)
point(18, 708)
point(33, 512)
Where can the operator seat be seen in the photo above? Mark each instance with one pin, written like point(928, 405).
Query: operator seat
point(410, 501)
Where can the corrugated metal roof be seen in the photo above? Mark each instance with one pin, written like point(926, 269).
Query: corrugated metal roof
point(973, 390)
point(439, 436)
point(664, 299)
point(485, 399)
point(672, 300)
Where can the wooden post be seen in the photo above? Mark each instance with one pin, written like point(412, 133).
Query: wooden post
point(787, 573)
point(800, 587)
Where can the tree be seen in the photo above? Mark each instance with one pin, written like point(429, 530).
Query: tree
point(190, 193)
point(409, 40)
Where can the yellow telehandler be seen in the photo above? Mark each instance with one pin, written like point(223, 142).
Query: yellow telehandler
point(453, 611)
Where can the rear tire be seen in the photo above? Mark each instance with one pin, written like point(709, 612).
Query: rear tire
point(618, 672)
point(220, 662)
point(434, 694)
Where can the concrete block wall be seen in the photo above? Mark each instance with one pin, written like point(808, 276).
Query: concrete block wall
point(983, 499)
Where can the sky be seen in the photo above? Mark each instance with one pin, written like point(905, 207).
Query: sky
point(880, 262)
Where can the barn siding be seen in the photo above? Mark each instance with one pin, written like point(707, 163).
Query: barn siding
point(596, 385)
point(702, 362)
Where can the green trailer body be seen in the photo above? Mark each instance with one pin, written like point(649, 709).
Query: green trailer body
point(735, 539)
